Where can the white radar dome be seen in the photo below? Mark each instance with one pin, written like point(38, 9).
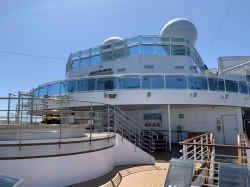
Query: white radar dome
point(180, 27)
point(112, 40)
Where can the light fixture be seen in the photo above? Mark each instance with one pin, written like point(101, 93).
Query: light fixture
point(148, 94)
point(112, 95)
point(193, 94)
point(224, 96)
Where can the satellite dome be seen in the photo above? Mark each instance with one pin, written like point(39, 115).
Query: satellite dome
point(180, 27)
point(112, 40)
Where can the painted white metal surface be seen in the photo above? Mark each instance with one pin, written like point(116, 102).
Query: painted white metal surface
point(230, 128)
point(126, 153)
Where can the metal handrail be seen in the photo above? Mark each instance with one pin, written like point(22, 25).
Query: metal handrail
point(133, 130)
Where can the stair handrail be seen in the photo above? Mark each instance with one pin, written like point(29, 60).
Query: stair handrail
point(137, 123)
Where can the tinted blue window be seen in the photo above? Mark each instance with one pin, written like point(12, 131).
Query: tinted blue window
point(147, 49)
point(95, 59)
point(129, 82)
point(188, 42)
point(152, 82)
point(82, 85)
point(75, 64)
point(231, 86)
point(75, 55)
point(177, 39)
point(119, 54)
point(243, 88)
point(54, 89)
point(107, 83)
point(36, 92)
point(95, 50)
point(162, 49)
point(64, 87)
point(188, 51)
point(132, 40)
point(106, 56)
point(197, 83)
point(91, 84)
point(84, 53)
point(133, 51)
point(162, 39)
point(176, 82)
point(177, 50)
point(84, 62)
point(216, 84)
point(119, 44)
point(43, 91)
point(147, 39)
point(72, 86)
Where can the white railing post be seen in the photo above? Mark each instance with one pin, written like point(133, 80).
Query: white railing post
point(185, 152)
point(202, 149)
point(194, 150)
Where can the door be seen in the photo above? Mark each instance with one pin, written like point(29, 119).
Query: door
point(230, 127)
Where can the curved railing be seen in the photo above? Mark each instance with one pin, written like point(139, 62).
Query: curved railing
point(140, 81)
point(137, 45)
point(27, 118)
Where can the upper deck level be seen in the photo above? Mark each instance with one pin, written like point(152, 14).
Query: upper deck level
point(144, 53)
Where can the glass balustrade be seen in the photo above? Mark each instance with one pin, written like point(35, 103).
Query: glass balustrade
point(141, 82)
point(140, 45)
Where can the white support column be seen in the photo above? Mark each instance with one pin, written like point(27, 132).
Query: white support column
point(169, 128)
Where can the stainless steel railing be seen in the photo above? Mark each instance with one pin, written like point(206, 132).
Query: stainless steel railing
point(53, 118)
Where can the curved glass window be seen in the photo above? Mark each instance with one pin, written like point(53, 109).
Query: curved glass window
point(147, 39)
point(120, 44)
point(177, 50)
point(75, 64)
point(64, 87)
point(162, 39)
point(95, 50)
point(177, 39)
point(75, 55)
point(129, 82)
point(243, 88)
point(176, 82)
point(107, 83)
point(197, 83)
point(231, 86)
point(84, 53)
point(132, 40)
point(216, 84)
point(43, 91)
point(36, 92)
point(106, 56)
point(54, 89)
point(91, 84)
point(153, 82)
point(82, 85)
point(146, 49)
point(119, 54)
point(188, 51)
point(132, 51)
point(84, 62)
point(162, 49)
point(68, 87)
point(95, 59)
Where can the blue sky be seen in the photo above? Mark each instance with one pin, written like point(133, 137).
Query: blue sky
point(56, 28)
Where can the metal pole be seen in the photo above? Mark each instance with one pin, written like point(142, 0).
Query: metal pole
point(108, 120)
point(8, 117)
point(91, 121)
point(169, 128)
point(18, 106)
point(60, 127)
